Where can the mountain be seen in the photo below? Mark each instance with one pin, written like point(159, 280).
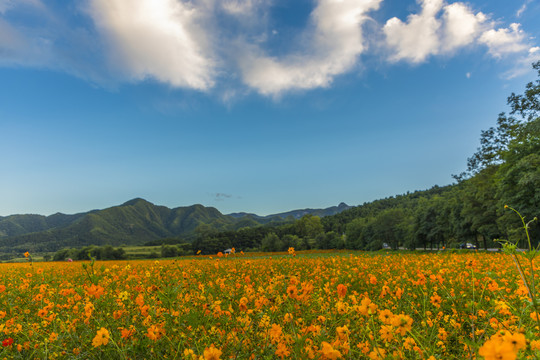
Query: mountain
point(14, 225)
point(132, 223)
point(295, 214)
point(135, 222)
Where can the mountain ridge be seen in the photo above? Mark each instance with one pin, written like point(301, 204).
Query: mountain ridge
point(134, 222)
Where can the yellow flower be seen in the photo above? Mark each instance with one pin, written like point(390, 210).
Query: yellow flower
point(189, 354)
point(101, 338)
point(26, 254)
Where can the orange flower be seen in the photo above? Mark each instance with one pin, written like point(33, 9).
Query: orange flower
point(328, 351)
point(386, 316)
point(275, 333)
point(127, 333)
point(517, 340)
point(26, 254)
point(496, 350)
point(95, 291)
point(242, 304)
point(154, 332)
point(342, 332)
point(282, 350)
point(341, 290)
point(402, 323)
point(212, 353)
point(101, 338)
point(378, 353)
point(386, 333)
point(292, 291)
point(503, 346)
point(436, 300)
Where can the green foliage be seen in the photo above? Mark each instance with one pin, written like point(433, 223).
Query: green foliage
point(87, 253)
point(133, 223)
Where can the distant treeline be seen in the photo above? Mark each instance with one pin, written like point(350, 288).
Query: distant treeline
point(110, 253)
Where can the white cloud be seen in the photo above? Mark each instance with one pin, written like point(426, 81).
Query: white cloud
point(418, 38)
point(442, 29)
point(523, 64)
point(504, 41)
point(330, 46)
point(160, 39)
point(24, 46)
point(235, 46)
point(11, 42)
point(430, 33)
point(6, 5)
point(461, 26)
point(240, 7)
point(523, 7)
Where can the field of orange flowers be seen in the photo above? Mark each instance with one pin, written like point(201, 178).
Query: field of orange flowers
point(305, 306)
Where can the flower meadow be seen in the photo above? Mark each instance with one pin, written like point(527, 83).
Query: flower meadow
point(290, 306)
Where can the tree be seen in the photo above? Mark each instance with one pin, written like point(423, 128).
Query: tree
point(169, 251)
point(480, 206)
point(493, 143)
point(309, 226)
point(390, 227)
point(270, 242)
point(528, 104)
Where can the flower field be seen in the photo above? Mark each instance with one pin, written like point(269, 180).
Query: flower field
point(298, 306)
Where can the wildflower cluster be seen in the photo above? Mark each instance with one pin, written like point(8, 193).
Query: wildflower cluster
point(309, 306)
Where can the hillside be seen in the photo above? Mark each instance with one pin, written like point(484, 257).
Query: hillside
point(133, 223)
point(296, 214)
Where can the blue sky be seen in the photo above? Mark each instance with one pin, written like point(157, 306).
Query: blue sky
point(249, 105)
